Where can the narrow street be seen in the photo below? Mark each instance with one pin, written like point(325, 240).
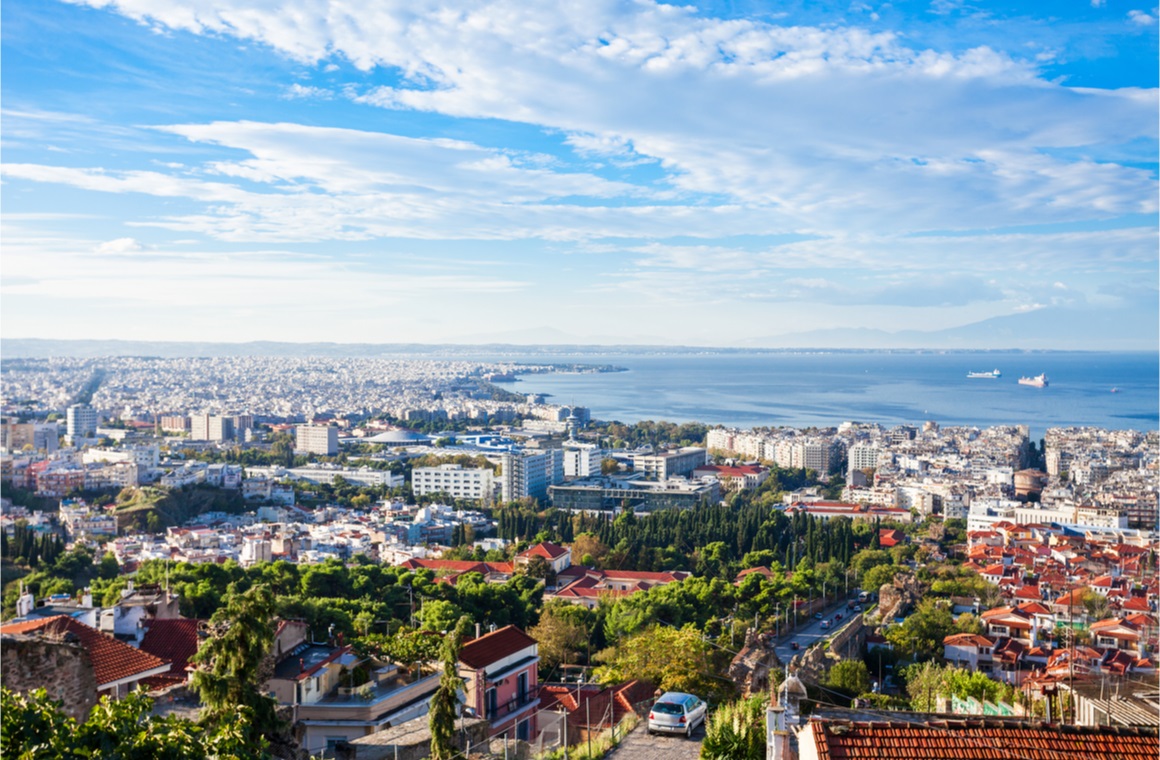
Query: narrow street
point(639, 745)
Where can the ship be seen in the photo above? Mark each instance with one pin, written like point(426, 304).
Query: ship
point(985, 375)
point(1039, 381)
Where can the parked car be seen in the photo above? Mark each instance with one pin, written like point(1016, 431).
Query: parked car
point(838, 617)
point(818, 616)
point(857, 608)
point(676, 713)
point(825, 624)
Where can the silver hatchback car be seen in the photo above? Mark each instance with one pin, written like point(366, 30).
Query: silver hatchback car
point(676, 713)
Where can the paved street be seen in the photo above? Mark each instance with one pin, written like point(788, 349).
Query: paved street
point(808, 634)
point(638, 745)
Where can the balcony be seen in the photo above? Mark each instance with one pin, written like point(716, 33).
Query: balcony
point(513, 705)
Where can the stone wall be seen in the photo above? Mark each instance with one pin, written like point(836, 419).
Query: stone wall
point(60, 666)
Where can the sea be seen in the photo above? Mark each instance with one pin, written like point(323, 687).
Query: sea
point(806, 389)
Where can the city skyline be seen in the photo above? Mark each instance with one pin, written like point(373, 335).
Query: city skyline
point(603, 172)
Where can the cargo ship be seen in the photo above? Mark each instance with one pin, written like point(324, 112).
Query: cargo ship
point(985, 375)
point(1039, 381)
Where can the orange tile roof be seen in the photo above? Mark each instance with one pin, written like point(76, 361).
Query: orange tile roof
point(492, 647)
point(979, 740)
point(112, 660)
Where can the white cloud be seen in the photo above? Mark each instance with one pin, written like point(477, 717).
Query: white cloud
point(304, 92)
point(120, 246)
point(1142, 18)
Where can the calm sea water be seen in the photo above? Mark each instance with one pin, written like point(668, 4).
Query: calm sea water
point(804, 389)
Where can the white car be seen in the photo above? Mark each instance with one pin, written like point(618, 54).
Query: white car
point(676, 713)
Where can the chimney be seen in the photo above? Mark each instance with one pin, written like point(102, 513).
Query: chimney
point(87, 597)
point(477, 630)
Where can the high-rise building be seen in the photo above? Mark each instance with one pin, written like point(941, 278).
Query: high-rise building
point(529, 474)
point(316, 439)
point(81, 420)
point(208, 427)
point(581, 460)
point(863, 456)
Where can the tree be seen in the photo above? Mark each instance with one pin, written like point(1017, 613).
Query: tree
point(445, 700)
point(232, 663)
point(674, 659)
point(850, 676)
point(34, 726)
point(921, 634)
point(562, 633)
point(879, 575)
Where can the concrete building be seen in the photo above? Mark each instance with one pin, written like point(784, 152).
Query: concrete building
point(208, 427)
point(671, 464)
point(581, 460)
point(316, 439)
point(455, 481)
point(528, 474)
point(81, 421)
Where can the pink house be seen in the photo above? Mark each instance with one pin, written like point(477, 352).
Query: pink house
point(500, 684)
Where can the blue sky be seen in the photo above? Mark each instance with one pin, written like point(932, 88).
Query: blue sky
point(713, 174)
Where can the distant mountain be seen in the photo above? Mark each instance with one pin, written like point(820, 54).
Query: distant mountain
point(1053, 329)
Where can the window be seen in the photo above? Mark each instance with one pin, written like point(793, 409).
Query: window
point(332, 741)
point(492, 705)
point(522, 688)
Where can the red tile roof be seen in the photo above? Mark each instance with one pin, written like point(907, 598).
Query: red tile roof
point(979, 740)
point(112, 660)
point(479, 653)
point(172, 640)
point(545, 549)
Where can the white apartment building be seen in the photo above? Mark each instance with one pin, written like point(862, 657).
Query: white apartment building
point(81, 421)
point(316, 439)
point(581, 460)
point(529, 474)
point(455, 481)
point(863, 456)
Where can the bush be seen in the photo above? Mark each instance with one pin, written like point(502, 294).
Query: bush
point(736, 731)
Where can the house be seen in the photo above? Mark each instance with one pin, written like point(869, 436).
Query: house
point(737, 478)
point(499, 670)
point(336, 694)
point(583, 585)
point(1118, 633)
point(117, 667)
point(888, 537)
point(938, 739)
point(969, 650)
point(174, 640)
point(559, 558)
point(1010, 621)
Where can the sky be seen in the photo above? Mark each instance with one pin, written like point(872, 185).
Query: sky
point(722, 173)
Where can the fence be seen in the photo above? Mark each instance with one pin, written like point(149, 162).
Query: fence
point(549, 734)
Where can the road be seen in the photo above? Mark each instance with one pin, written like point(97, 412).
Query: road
point(639, 745)
point(807, 634)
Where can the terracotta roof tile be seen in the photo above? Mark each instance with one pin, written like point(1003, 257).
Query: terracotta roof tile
point(112, 660)
point(492, 647)
point(980, 740)
point(173, 640)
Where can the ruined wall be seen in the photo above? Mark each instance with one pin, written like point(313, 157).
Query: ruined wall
point(61, 666)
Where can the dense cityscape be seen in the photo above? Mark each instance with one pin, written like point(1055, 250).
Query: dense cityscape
point(376, 507)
